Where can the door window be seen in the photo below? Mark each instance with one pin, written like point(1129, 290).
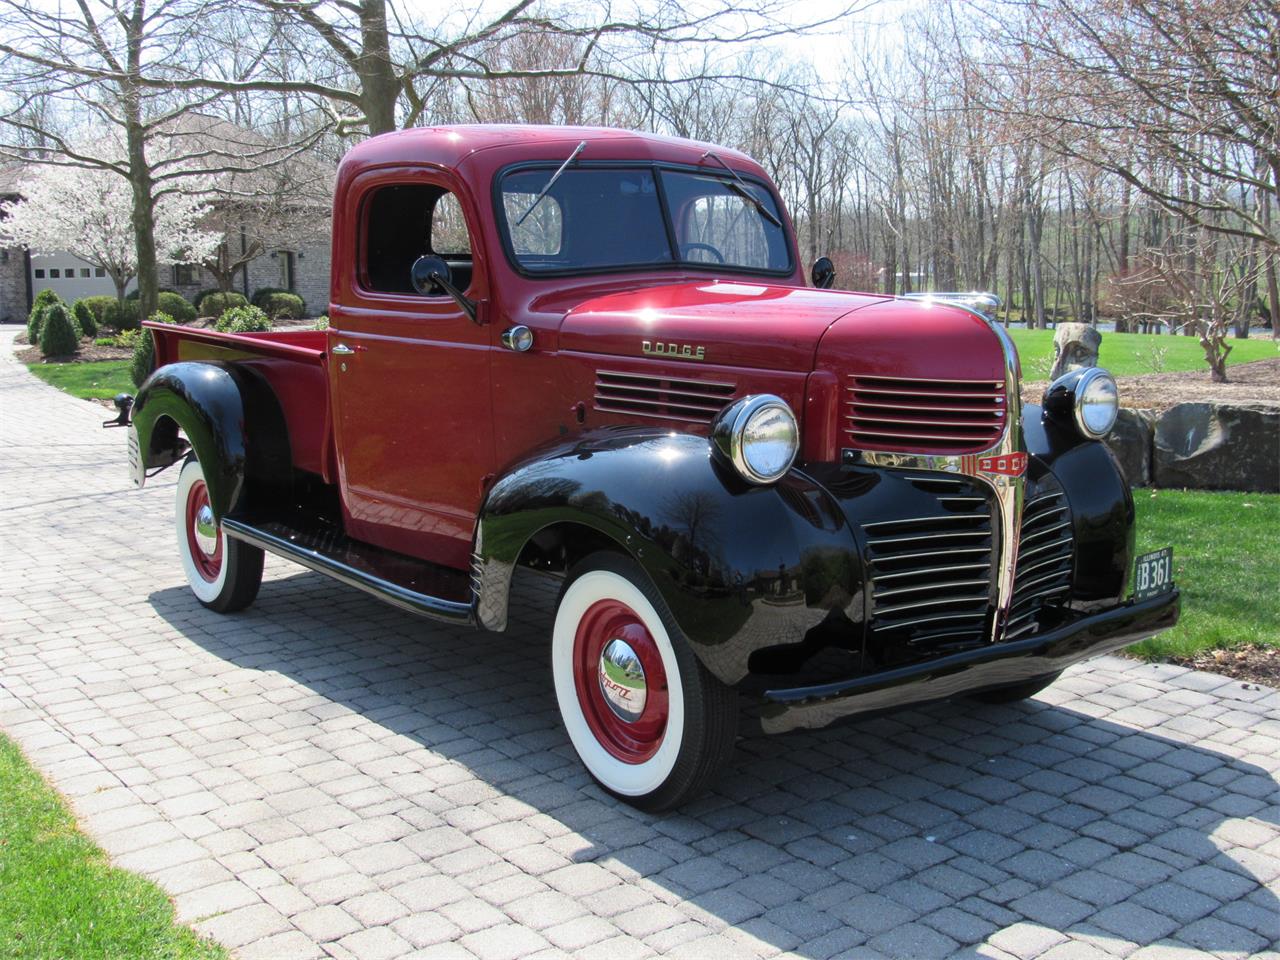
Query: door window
point(406, 221)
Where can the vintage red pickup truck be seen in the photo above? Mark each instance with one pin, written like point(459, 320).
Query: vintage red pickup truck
point(595, 352)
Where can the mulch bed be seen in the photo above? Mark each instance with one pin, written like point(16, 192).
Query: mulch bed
point(1258, 381)
point(1252, 663)
point(89, 352)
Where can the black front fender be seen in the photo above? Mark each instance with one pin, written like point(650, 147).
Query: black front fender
point(231, 419)
point(742, 568)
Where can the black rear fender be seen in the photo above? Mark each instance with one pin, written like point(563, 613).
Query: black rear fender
point(231, 420)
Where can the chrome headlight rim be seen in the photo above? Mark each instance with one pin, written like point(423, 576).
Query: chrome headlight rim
point(729, 430)
point(1071, 391)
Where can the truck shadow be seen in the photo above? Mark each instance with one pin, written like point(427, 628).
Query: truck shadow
point(921, 830)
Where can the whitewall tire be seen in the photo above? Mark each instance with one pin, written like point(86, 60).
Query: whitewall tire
point(648, 721)
point(223, 573)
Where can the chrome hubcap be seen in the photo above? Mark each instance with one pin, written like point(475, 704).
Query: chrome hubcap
point(622, 680)
point(206, 530)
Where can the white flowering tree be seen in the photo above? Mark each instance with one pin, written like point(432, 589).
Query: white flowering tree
point(87, 211)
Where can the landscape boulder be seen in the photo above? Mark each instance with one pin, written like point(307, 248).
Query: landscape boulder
point(1130, 441)
point(1075, 345)
point(1216, 446)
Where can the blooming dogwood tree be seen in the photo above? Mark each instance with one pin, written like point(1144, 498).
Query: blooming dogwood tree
point(87, 212)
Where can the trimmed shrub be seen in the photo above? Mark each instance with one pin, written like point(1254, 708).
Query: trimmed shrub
point(85, 319)
point(98, 306)
point(216, 304)
point(201, 294)
point(122, 316)
point(283, 306)
point(243, 320)
point(176, 306)
point(321, 322)
point(135, 294)
point(261, 293)
point(57, 332)
point(144, 350)
point(44, 299)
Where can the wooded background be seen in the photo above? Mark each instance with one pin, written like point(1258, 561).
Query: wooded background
point(1093, 160)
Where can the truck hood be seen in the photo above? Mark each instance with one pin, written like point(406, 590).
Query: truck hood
point(736, 324)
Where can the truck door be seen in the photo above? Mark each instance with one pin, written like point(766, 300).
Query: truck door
point(410, 372)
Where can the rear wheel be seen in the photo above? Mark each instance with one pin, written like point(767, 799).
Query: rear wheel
point(1018, 691)
point(648, 721)
point(224, 574)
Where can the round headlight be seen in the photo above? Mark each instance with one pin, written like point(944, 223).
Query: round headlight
point(759, 436)
point(1097, 403)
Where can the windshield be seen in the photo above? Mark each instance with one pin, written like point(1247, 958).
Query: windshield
point(613, 218)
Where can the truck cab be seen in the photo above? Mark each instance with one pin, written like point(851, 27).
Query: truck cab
point(595, 352)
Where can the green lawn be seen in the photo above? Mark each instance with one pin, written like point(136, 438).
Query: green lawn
point(1129, 354)
point(60, 899)
point(99, 380)
point(1226, 554)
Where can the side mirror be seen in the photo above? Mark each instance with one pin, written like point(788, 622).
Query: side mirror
point(431, 276)
point(823, 273)
point(426, 274)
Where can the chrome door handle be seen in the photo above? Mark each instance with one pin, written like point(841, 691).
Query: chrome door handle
point(342, 350)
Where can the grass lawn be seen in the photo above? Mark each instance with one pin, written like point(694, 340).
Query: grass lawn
point(99, 380)
point(1129, 354)
point(60, 899)
point(1226, 554)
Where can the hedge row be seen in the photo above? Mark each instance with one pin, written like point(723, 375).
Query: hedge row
point(241, 319)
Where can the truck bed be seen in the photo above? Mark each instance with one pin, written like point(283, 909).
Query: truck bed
point(293, 362)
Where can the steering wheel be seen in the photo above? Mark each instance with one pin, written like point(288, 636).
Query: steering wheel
point(704, 246)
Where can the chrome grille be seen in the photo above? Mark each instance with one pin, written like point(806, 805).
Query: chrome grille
point(643, 395)
point(1043, 574)
point(931, 577)
point(942, 416)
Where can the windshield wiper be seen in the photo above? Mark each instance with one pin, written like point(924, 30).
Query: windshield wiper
point(739, 187)
point(552, 182)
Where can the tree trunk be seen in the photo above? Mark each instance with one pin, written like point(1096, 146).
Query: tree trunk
point(379, 88)
point(143, 213)
point(1273, 283)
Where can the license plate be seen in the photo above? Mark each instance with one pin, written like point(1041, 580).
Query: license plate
point(1153, 574)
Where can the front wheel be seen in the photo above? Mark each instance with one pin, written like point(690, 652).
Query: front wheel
point(649, 722)
point(224, 574)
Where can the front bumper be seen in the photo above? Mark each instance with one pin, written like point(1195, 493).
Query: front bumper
point(995, 665)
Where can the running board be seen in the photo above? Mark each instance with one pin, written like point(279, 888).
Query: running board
point(427, 589)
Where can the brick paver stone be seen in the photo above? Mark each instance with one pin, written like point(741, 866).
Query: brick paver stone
point(322, 775)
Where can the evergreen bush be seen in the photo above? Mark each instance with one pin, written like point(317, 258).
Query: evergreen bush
point(176, 306)
point(216, 304)
point(57, 332)
point(85, 319)
point(144, 351)
point(244, 319)
point(282, 306)
point(44, 299)
point(98, 305)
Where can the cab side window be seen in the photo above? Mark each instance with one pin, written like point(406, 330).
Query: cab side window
point(406, 221)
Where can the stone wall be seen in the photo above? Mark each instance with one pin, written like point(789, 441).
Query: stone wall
point(310, 276)
point(1202, 446)
point(13, 286)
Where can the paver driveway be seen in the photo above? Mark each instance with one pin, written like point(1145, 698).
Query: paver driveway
point(325, 775)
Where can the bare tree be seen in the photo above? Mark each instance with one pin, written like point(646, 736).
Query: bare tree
point(109, 66)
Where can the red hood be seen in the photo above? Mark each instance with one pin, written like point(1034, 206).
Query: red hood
point(738, 324)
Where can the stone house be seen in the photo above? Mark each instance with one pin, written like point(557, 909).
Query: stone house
point(286, 248)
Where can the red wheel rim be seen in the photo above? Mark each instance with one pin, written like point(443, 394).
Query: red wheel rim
point(631, 741)
point(208, 565)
